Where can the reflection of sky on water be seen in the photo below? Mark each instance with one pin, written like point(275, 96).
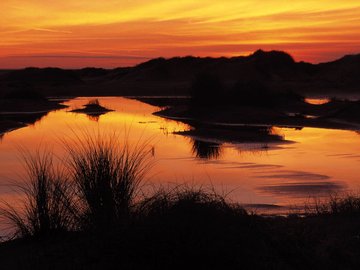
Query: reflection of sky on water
point(317, 163)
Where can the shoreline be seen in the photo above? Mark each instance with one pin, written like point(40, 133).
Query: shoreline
point(345, 125)
point(17, 113)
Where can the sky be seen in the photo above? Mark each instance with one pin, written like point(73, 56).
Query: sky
point(112, 33)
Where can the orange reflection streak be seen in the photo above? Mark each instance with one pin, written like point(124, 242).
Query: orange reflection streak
point(117, 33)
point(317, 101)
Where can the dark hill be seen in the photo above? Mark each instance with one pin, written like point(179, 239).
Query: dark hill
point(259, 64)
point(160, 76)
point(344, 73)
point(41, 76)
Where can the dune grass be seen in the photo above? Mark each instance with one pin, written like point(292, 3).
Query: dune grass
point(95, 102)
point(96, 188)
point(187, 199)
point(337, 205)
point(107, 176)
point(47, 206)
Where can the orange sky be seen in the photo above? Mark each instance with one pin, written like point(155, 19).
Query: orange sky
point(110, 33)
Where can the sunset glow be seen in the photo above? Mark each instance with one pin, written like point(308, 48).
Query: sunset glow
point(120, 33)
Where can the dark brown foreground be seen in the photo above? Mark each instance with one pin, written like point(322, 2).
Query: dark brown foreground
point(191, 233)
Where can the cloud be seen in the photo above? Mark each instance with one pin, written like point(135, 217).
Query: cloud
point(296, 175)
point(303, 188)
point(52, 30)
point(124, 57)
point(311, 30)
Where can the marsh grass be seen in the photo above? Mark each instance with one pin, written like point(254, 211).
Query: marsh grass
point(47, 204)
point(337, 205)
point(107, 176)
point(184, 200)
point(96, 189)
point(93, 102)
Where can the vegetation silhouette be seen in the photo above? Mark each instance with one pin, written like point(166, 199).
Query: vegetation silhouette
point(93, 109)
point(96, 214)
point(47, 209)
point(107, 178)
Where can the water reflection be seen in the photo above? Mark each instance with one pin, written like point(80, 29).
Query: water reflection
point(94, 117)
point(258, 136)
point(206, 150)
point(207, 140)
point(262, 167)
point(302, 189)
point(317, 101)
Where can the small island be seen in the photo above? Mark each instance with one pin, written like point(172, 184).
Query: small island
point(93, 109)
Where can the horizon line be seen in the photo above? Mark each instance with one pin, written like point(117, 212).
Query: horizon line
point(145, 58)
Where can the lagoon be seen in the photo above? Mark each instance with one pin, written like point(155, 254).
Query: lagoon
point(307, 164)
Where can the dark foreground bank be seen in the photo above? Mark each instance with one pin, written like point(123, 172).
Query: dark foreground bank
point(195, 230)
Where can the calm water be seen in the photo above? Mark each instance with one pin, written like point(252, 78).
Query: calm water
point(316, 162)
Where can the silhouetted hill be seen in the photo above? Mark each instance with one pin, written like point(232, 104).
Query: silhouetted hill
point(343, 73)
point(259, 64)
point(41, 77)
point(91, 72)
point(44, 81)
point(275, 69)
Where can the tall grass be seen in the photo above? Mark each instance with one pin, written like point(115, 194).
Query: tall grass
point(344, 205)
point(107, 177)
point(47, 205)
point(96, 190)
point(187, 200)
point(93, 102)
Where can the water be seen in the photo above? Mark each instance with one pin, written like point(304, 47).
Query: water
point(313, 163)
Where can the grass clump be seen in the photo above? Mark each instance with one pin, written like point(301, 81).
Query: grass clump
point(107, 176)
point(96, 190)
point(47, 206)
point(185, 200)
point(347, 205)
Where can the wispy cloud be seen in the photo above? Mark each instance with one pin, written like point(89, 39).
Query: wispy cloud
point(52, 30)
point(125, 57)
point(311, 30)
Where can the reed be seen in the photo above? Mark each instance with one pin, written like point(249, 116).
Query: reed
point(47, 206)
point(107, 176)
